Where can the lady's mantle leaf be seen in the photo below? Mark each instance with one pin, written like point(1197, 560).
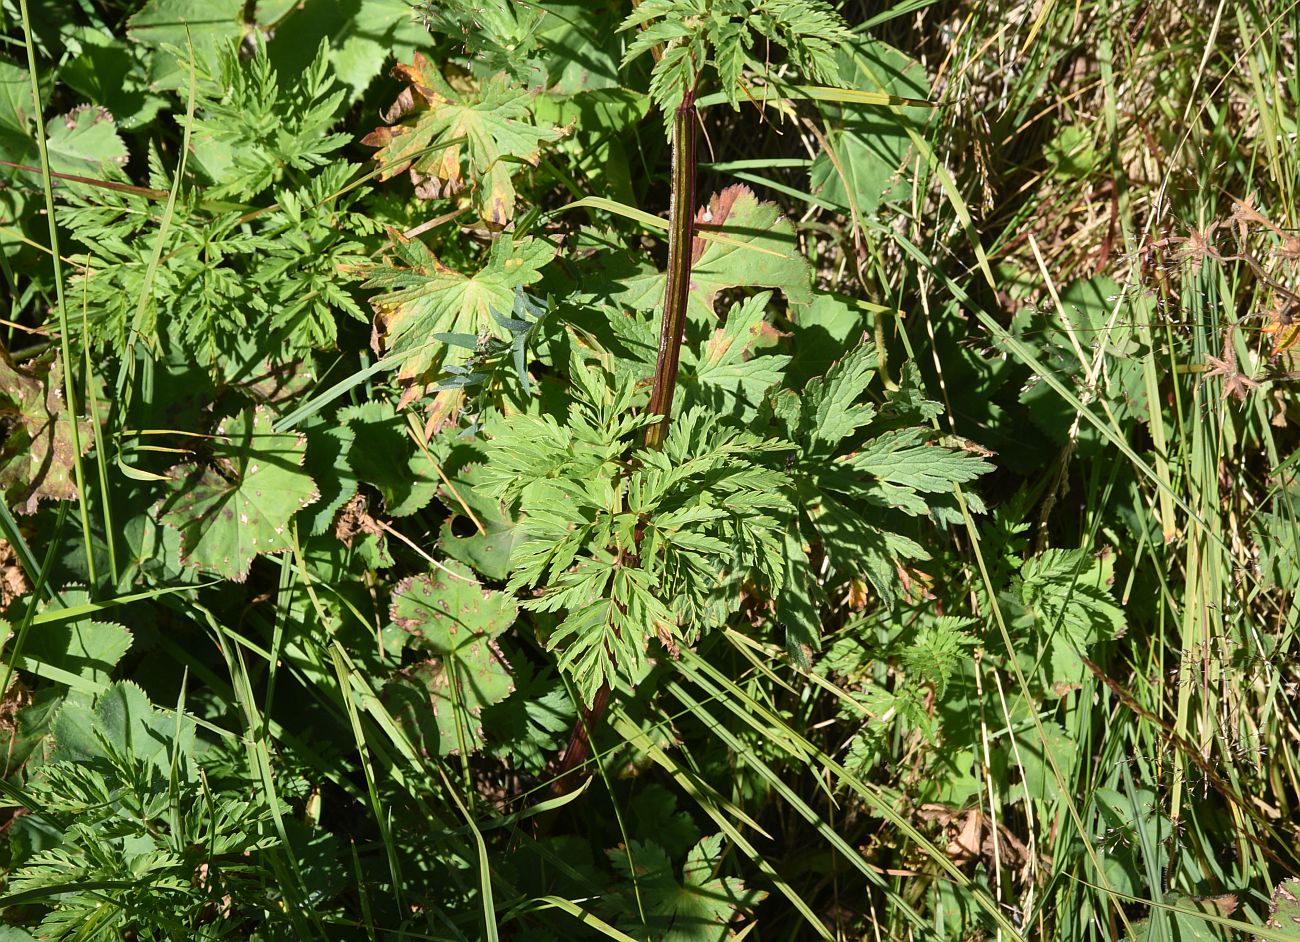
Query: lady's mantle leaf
point(701, 908)
point(426, 299)
point(88, 649)
point(486, 134)
point(85, 142)
point(1284, 912)
point(238, 504)
point(36, 456)
point(448, 614)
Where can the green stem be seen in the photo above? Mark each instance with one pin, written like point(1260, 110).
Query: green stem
point(681, 236)
point(69, 389)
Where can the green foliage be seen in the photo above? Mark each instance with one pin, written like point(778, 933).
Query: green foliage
point(426, 305)
point(343, 595)
point(256, 131)
point(871, 158)
point(238, 503)
point(842, 463)
point(724, 34)
point(447, 614)
point(136, 839)
point(1284, 908)
point(651, 545)
point(697, 908)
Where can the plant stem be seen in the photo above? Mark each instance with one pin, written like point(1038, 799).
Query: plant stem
point(681, 235)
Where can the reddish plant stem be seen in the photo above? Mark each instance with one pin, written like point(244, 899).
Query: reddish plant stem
point(681, 236)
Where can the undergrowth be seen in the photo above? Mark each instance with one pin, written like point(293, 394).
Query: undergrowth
point(677, 470)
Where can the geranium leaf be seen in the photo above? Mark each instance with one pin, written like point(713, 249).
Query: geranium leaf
point(426, 299)
point(477, 139)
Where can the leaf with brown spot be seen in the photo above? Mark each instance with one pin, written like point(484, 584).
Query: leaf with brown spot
point(239, 504)
point(750, 245)
point(448, 613)
point(478, 139)
point(37, 457)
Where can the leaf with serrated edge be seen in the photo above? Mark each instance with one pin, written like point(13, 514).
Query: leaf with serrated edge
point(426, 298)
point(447, 612)
point(488, 134)
point(36, 455)
point(1284, 910)
point(239, 504)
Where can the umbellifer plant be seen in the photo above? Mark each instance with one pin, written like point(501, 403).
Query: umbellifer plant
point(648, 521)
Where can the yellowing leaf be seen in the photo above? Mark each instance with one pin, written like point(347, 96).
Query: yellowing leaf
point(1285, 328)
point(756, 247)
point(750, 244)
point(478, 141)
point(428, 300)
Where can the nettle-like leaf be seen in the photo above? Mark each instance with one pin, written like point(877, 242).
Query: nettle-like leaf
point(449, 615)
point(37, 457)
point(238, 504)
point(449, 139)
point(701, 907)
point(425, 301)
